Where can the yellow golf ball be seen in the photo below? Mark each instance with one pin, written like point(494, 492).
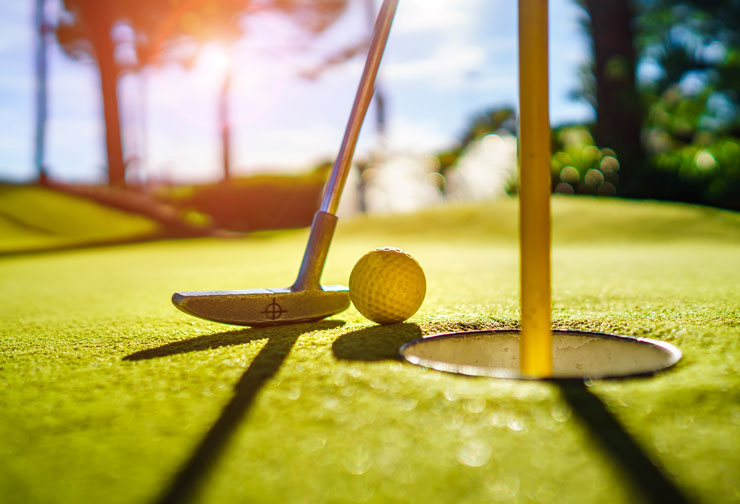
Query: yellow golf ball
point(387, 285)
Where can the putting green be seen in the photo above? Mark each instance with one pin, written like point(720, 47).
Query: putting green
point(109, 394)
point(36, 218)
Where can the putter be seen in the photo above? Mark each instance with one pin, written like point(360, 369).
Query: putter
point(306, 300)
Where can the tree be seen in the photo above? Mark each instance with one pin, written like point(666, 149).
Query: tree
point(158, 26)
point(692, 128)
point(613, 83)
point(42, 29)
point(676, 131)
point(88, 34)
point(696, 37)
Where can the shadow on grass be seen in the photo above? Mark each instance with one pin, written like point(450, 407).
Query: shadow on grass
point(201, 343)
point(280, 340)
point(378, 343)
point(645, 474)
point(375, 343)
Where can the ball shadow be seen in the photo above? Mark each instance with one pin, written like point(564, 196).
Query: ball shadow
point(376, 343)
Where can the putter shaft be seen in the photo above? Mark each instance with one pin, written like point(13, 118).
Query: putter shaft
point(364, 95)
point(321, 230)
point(306, 300)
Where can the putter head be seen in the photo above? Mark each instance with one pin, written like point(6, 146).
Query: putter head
point(264, 307)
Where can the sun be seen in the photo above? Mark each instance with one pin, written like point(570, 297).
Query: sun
point(213, 59)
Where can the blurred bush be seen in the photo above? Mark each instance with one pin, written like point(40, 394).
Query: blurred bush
point(676, 136)
point(578, 166)
point(704, 169)
point(707, 173)
point(685, 159)
point(253, 203)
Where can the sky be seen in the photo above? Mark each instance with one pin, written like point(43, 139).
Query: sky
point(445, 62)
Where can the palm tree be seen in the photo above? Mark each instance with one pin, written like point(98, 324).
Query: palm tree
point(42, 29)
point(90, 36)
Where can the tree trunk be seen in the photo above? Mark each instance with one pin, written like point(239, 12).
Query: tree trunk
point(42, 30)
point(225, 124)
point(101, 26)
point(618, 111)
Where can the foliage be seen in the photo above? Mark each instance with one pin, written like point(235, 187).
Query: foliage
point(579, 166)
point(689, 57)
point(693, 37)
point(692, 126)
point(491, 121)
point(699, 173)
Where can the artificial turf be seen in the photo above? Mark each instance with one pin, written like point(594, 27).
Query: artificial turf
point(109, 394)
point(35, 218)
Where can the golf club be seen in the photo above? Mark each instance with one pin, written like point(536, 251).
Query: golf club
point(306, 300)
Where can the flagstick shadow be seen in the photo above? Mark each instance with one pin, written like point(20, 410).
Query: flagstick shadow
point(265, 365)
point(644, 473)
point(380, 343)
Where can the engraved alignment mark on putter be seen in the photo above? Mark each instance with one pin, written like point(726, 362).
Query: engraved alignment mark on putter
point(274, 311)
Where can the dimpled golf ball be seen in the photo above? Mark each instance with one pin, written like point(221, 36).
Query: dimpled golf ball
point(387, 285)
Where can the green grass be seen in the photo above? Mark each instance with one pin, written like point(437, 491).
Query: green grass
point(35, 218)
point(107, 391)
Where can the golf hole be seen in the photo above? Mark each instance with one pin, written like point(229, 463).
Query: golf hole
point(576, 354)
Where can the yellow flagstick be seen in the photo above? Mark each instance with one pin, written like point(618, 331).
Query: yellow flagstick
point(535, 347)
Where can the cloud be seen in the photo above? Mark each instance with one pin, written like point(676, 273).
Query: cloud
point(438, 15)
point(291, 146)
point(445, 67)
point(406, 135)
point(15, 22)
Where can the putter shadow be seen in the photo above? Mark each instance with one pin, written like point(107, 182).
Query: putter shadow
point(645, 474)
point(227, 338)
point(375, 343)
point(280, 340)
point(200, 343)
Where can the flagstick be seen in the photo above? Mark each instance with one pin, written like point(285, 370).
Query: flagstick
point(535, 346)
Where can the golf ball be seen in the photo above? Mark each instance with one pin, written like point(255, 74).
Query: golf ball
point(387, 285)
